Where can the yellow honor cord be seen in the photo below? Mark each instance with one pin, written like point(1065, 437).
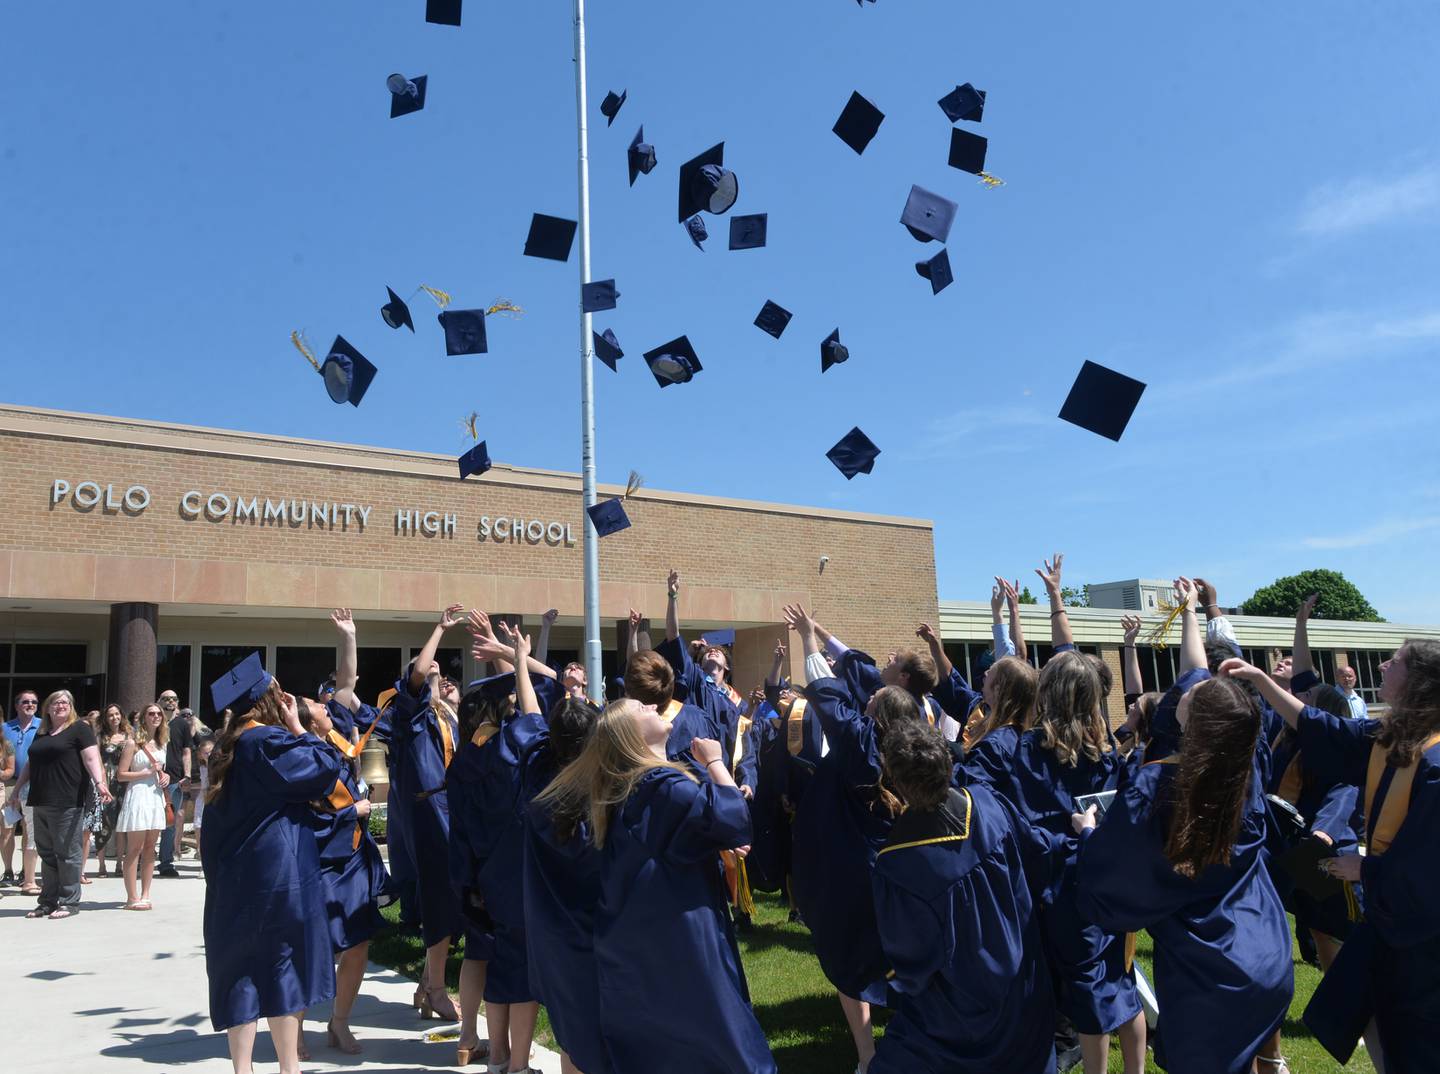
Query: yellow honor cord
point(303, 347)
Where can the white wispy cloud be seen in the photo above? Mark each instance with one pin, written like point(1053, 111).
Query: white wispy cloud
point(1381, 532)
point(1342, 208)
point(974, 429)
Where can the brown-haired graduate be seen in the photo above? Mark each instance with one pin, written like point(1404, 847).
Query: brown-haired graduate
point(1181, 852)
point(672, 991)
point(1389, 968)
point(267, 937)
point(954, 902)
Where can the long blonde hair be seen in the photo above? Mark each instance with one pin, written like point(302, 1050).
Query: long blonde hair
point(609, 768)
point(162, 733)
point(45, 710)
point(269, 710)
point(1068, 713)
point(1012, 682)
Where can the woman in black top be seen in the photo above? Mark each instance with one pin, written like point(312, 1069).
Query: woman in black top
point(63, 760)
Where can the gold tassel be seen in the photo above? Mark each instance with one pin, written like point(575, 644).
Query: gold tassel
point(442, 299)
point(468, 424)
point(632, 486)
point(744, 900)
point(1352, 904)
point(991, 181)
point(303, 346)
point(1159, 632)
point(505, 306)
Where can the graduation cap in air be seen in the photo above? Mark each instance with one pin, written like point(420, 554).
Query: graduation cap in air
point(772, 319)
point(464, 331)
point(854, 454)
point(610, 106)
point(706, 185)
point(967, 151)
point(937, 271)
point(406, 95)
point(607, 348)
point(608, 516)
point(242, 686)
point(550, 237)
point(927, 215)
point(1102, 401)
point(640, 157)
point(858, 123)
point(673, 363)
point(598, 295)
point(718, 637)
point(347, 373)
point(748, 232)
point(695, 228)
point(832, 351)
point(475, 461)
point(963, 102)
point(396, 313)
point(443, 12)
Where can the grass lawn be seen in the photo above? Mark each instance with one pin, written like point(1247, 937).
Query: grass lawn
point(801, 1016)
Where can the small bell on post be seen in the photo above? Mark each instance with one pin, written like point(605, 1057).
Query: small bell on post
point(374, 771)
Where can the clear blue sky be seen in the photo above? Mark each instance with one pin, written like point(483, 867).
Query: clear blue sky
point(1238, 204)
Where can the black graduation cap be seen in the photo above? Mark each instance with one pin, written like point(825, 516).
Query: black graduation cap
point(937, 271)
point(858, 123)
point(641, 155)
point(396, 312)
point(406, 94)
point(695, 228)
point(963, 102)
point(347, 373)
point(927, 215)
point(832, 351)
point(610, 106)
point(967, 151)
point(1102, 401)
point(550, 237)
point(242, 686)
point(464, 331)
point(474, 461)
point(598, 295)
point(706, 185)
point(718, 637)
point(854, 454)
point(673, 363)
point(607, 348)
point(443, 12)
point(748, 232)
point(608, 516)
point(772, 319)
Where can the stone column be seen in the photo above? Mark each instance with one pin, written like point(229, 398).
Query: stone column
point(130, 664)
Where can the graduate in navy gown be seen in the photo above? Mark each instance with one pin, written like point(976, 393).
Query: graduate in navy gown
point(672, 990)
point(1181, 852)
point(1389, 968)
point(954, 900)
point(704, 684)
point(650, 679)
point(267, 941)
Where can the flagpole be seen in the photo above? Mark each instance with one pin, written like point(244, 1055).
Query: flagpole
point(593, 675)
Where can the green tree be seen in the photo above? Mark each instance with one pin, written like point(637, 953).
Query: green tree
point(1075, 598)
point(1027, 597)
point(1339, 599)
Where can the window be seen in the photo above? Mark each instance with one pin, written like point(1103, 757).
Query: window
point(216, 660)
point(172, 671)
point(45, 668)
point(378, 668)
point(54, 659)
point(1159, 668)
point(451, 661)
point(1366, 663)
point(302, 668)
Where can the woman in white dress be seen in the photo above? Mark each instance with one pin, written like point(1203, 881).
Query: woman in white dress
point(142, 813)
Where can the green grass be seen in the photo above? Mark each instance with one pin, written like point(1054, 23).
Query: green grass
point(801, 1017)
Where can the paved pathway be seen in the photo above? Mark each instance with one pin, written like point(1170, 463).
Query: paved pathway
point(108, 992)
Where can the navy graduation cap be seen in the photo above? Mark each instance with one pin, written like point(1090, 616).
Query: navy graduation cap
point(610, 106)
point(406, 95)
point(608, 516)
point(443, 12)
point(242, 686)
point(748, 232)
point(474, 461)
point(607, 348)
point(854, 454)
point(832, 351)
point(695, 228)
point(347, 373)
point(963, 102)
point(396, 313)
point(937, 271)
point(928, 216)
point(718, 637)
point(640, 157)
point(464, 331)
point(706, 185)
point(550, 237)
point(772, 319)
point(1102, 401)
point(673, 363)
point(598, 295)
point(967, 151)
point(858, 123)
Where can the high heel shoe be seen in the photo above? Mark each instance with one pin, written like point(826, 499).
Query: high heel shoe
point(438, 1003)
point(467, 1054)
point(419, 1002)
point(332, 1038)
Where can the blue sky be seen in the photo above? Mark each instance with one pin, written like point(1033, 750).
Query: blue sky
point(1238, 204)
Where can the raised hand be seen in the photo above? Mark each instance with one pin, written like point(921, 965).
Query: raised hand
point(798, 619)
point(489, 648)
point(519, 644)
point(479, 624)
point(1236, 668)
point(780, 651)
point(635, 620)
point(926, 633)
point(1307, 606)
point(343, 621)
point(548, 619)
point(1185, 593)
point(1131, 625)
point(452, 616)
point(997, 598)
point(1050, 575)
point(672, 582)
point(1010, 590)
point(1206, 594)
point(705, 750)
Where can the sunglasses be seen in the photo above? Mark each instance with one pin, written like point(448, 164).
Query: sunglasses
point(27, 701)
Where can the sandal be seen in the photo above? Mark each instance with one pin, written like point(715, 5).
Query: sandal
point(86, 880)
point(439, 1004)
point(31, 890)
point(60, 914)
point(1278, 1066)
point(465, 1054)
point(38, 912)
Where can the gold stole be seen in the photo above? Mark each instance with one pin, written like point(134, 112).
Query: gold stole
point(971, 734)
point(795, 726)
point(447, 737)
point(671, 711)
point(928, 709)
point(1294, 777)
point(341, 743)
point(1397, 798)
point(745, 724)
point(484, 733)
point(339, 798)
point(733, 694)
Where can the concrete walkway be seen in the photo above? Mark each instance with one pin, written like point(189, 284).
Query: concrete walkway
point(110, 991)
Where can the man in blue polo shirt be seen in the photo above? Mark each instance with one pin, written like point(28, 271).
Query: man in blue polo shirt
point(20, 730)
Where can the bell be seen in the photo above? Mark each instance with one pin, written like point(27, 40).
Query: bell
point(373, 769)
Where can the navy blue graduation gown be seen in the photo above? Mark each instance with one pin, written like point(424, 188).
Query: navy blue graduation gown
point(397, 825)
point(991, 761)
point(1096, 991)
point(768, 864)
point(837, 830)
point(356, 883)
point(267, 942)
point(694, 688)
point(1222, 943)
point(689, 723)
point(1389, 969)
point(862, 678)
point(672, 989)
point(418, 781)
point(960, 926)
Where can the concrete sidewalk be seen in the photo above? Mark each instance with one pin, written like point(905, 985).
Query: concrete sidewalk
point(110, 991)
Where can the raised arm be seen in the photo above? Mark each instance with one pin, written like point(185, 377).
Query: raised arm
point(546, 622)
point(347, 673)
point(1192, 643)
point(1281, 700)
point(525, 700)
point(937, 650)
point(672, 613)
point(485, 645)
point(452, 616)
point(1012, 601)
point(1216, 625)
point(1129, 658)
point(798, 620)
point(1060, 636)
point(1301, 661)
point(632, 641)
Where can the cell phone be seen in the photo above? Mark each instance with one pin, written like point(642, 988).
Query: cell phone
point(1100, 800)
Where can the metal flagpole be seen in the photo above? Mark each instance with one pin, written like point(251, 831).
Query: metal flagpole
point(593, 676)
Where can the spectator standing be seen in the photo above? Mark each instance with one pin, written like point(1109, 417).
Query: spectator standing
point(142, 813)
point(179, 757)
point(20, 729)
point(1345, 680)
point(112, 735)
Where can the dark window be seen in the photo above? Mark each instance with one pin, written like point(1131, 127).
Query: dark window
point(378, 668)
point(302, 668)
point(1366, 663)
point(1158, 667)
point(50, 659)
point(172, 671)
point(216, 660)
point(5, 653)
point(451, 661)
